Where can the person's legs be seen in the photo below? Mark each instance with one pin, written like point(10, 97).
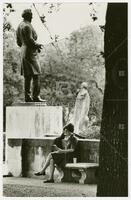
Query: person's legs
point(52, 168)
point(47, 163)
point(27, 85)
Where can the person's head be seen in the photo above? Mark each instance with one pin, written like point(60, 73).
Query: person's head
point(27, 15)
point(84, 85)
point(68, 129)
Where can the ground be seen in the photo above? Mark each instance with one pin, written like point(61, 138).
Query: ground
point(34, 187)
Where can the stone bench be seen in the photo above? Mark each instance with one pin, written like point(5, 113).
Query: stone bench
point(80, 172)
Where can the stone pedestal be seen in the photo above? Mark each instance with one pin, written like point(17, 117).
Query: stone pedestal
point(31, 121)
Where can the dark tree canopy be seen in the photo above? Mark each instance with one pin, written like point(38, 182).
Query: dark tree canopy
point(113, 163)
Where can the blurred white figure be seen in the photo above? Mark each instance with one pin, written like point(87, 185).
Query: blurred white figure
point(81, 110)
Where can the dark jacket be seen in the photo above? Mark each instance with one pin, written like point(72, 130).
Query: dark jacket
point(73, 144)
point(60, 159)
point(26, 39)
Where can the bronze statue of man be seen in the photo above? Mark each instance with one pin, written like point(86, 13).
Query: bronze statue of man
point(30, 67)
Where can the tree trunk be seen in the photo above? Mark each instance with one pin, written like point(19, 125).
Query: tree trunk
point(113, 163)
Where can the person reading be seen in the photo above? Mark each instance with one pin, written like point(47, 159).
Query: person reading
point(63, 151)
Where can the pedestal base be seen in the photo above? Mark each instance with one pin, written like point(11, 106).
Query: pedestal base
point(33, 120)
point(30, 103)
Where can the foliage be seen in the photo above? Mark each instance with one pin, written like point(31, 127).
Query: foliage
point(93, 132)
point(77, 59)
point(7, 9)
point(13, 82)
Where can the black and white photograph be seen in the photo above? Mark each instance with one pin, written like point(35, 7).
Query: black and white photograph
point(65, 99)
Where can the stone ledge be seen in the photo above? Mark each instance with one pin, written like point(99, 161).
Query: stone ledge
point(89, 140)
point(34, 138)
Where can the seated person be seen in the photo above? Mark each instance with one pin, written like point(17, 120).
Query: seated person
point(63, 151)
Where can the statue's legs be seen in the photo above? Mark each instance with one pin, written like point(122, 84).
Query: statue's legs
point(28, 97)
point(36, 89)
point(36, 86)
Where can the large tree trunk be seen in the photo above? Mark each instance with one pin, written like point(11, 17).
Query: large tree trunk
point(113, 170)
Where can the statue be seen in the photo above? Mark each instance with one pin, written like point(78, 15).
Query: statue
point(30, 68)
point(81, 110)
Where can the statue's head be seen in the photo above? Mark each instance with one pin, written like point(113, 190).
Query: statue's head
point(84, 85)
point(27, 15)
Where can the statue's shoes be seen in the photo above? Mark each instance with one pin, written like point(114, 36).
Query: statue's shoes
point(49, 181)
point(38, 99)
point(40, 173)
point(28, 99)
